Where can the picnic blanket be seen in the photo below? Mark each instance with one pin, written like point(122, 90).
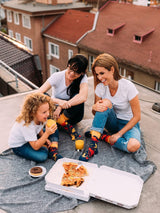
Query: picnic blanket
point(21, 193)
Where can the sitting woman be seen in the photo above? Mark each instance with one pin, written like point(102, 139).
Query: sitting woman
point(116, 109)
point(69, 92)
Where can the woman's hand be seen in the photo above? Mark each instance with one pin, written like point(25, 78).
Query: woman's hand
point(113, 139)
point(57, 112)
point(66, 105)
point(100, 106)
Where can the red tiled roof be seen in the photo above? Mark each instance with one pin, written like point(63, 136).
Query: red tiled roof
point(138, 20)
point(71, 26)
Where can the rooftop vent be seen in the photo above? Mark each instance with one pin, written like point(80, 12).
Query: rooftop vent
point(156, 107)
point(139, 37)
point(112, 30)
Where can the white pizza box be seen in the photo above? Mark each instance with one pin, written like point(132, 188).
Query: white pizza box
point(105, 183)
point(54, 176)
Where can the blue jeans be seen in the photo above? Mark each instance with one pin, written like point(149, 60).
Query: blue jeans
point(41, 155)
point(108, 120)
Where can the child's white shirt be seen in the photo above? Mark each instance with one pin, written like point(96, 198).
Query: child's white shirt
point(20, 134)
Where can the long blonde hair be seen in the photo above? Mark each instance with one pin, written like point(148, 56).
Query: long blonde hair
point(107, 61)
point(31, 104)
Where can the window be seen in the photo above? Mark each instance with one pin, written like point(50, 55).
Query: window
point(10, 33)
point(26, 21)
point(138, 38)
point(126, 73)
point(16, 18)
point(130, 75)
point(70, 54)
point(110, 31)
point(114, 29)
point(9, 16)
point(91, 59)
point(28, 43)
point(157, 86)
point(18, 36)
point(54, 50)
point(122, 71)
point(53, 69)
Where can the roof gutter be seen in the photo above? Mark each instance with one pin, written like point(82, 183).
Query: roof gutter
point(58, 39)
point(93, 28)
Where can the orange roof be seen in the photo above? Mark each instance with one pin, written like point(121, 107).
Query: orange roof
point(136, 19)
point(71, 26)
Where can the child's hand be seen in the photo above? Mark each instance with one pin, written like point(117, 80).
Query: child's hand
point(48, 143)
point(50, 130)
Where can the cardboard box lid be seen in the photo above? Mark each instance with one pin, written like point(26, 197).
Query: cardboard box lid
point(116, 186)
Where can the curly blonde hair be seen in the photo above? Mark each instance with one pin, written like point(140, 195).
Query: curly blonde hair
point(31, 104)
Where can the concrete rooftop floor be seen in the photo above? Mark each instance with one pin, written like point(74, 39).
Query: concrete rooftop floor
point(150, 126)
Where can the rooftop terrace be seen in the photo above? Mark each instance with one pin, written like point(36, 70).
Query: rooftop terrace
point(150, 125)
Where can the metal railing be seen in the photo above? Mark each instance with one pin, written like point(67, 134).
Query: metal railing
point(18, 76)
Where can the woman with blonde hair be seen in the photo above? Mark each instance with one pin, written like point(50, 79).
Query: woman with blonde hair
point(116, 109)
point(27, 138)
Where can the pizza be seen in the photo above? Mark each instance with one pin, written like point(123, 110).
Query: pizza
point(73, 175)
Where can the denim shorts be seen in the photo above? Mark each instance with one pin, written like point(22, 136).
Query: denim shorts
point(108, 120)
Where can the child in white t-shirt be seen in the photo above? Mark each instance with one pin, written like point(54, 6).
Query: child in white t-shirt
point(27, 138)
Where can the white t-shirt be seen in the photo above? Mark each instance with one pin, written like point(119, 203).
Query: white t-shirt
point(59, 88)
point(125, 93)
point(20, 134)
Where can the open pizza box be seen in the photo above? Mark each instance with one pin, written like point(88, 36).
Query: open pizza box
point(104, 183)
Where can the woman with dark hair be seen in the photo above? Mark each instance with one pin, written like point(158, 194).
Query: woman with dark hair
point(69, 92)
point(116, 109)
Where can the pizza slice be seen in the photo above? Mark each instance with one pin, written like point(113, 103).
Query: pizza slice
point(73, 176)
point(81, 171)
point(70, 167)
point(68, 180)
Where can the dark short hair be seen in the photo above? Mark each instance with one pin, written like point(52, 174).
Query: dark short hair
point(78, 64)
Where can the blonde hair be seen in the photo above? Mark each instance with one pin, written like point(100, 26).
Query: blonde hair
point(31, 104)
point(107, 61)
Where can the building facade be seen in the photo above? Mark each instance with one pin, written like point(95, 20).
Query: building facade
point(27, 20)
point(132, 41)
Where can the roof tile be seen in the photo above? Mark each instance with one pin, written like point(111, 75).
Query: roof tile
point(71, 26)
point(121, 45)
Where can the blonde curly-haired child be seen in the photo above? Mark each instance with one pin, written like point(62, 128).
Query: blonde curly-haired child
point(28, 138)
